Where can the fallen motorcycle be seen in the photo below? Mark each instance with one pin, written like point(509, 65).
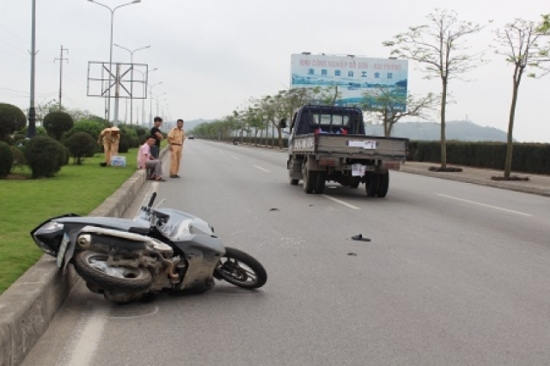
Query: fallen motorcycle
point(161, 250)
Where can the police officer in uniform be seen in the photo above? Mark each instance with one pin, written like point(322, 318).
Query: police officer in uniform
point(176, 137)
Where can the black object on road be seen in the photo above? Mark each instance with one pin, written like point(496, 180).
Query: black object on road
point(360, 238)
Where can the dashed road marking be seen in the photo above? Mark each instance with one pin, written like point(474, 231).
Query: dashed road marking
point(341, 202)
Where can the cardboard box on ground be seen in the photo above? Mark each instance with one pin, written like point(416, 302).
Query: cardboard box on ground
point(119, 161)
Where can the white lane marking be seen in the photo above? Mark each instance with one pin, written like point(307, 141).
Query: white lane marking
point(84, 349)
point(484, 205)
point(236, 158)
point(154, 312)
point(341, 202)
point(259, 167)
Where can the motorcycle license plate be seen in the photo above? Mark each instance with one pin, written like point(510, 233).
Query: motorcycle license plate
point(62, 250)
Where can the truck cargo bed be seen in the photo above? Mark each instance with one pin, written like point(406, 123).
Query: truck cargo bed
point(352, 146)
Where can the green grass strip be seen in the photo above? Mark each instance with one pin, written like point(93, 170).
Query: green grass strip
point(24, 204)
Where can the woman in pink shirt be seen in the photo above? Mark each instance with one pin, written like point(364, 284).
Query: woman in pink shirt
point(146, 161)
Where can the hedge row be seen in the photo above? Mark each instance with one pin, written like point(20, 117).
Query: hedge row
point(527, 157)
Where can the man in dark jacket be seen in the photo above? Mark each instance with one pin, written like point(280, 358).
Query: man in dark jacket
point(155, 131)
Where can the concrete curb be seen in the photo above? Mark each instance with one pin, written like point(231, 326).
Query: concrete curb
point(28, 306)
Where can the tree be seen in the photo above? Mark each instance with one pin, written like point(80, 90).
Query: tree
point(439, 49)
point(48, 107)
point(80, 145)
point(521, 44)
point(45, 156)
point(384, 106)
point(6, 159)
point(11, 119)
point(57, 123)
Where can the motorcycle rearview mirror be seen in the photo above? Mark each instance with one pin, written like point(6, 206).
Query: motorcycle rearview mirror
point(282, 123)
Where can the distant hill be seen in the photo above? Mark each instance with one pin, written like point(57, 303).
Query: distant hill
point(429, 131)
point(191, 124)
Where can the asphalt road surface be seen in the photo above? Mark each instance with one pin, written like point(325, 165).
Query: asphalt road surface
point(454, 274)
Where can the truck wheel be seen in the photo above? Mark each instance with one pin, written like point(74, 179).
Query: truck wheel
point(371, 185)
point(320, 182)
point(308, 179)
point(383, 184)
point(290, 167)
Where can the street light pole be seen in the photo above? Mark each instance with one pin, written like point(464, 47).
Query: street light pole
point(151, 102)
point(145, 95)
point(108, 104)
point(132, 77)
point(31, 132)
point(158, 96)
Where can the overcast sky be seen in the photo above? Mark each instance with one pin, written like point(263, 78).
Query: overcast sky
point(213, 55)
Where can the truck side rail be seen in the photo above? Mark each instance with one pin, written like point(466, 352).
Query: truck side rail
point(352, 146)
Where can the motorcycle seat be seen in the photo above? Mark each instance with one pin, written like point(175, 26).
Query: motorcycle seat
point(139, 230)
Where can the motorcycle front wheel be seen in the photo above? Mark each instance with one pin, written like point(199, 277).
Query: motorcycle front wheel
point(93, 268)
point(241, 269)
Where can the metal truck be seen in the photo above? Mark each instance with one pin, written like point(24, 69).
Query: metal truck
point(328, 143)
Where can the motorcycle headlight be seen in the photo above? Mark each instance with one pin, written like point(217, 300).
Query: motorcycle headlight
point(49, 227)
point(45, 237)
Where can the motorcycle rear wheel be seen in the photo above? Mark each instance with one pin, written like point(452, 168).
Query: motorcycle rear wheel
point(241, 269)
point(93, 268)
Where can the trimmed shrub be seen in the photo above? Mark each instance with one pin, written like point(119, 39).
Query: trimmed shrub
point(45, 156)
point(6, 159)
point(57, 123)
point(81, 144)
point(18, 157)
point(18, 137)
point(11, 119)
point(40, 131)
point(92, 128)
point(131, 135)
point(64, 159)
point(124, 144)
point(141, 132)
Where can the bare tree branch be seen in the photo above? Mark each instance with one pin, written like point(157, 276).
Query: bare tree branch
point(439, 47)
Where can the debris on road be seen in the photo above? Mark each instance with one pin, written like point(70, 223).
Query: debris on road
point(360, 238)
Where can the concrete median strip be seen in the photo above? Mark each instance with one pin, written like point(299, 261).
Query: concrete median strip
point(28, 306)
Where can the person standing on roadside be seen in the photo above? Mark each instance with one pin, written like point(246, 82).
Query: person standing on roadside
point(115, 140)
point(176, 137)
point(105, 138)
point(155, 131)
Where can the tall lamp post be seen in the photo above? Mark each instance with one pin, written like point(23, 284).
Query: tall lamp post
point(145, 88)
point(151, 102)
point(32, 113)
point(112, 10)
point(158, 96)
point(132, 77)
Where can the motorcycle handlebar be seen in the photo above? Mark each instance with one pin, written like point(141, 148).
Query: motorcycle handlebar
point(152, 199)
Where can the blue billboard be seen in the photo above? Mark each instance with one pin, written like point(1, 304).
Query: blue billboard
point(353, 76)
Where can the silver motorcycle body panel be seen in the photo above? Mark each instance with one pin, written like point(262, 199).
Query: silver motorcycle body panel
point(195, 238)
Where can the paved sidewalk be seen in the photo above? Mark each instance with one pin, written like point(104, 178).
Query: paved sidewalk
point(537, 184)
